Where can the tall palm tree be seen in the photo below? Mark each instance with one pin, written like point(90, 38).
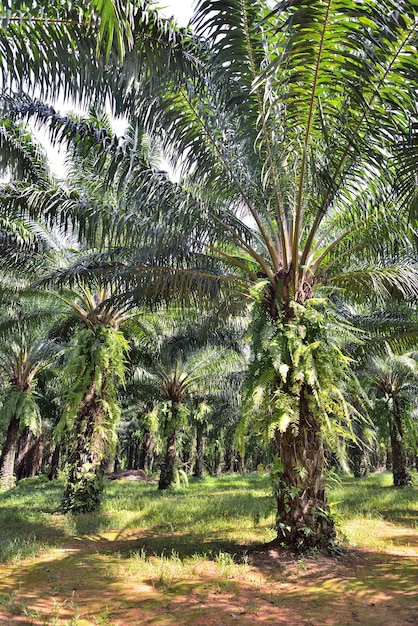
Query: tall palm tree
point(285, 133)
point(21, 364)
point(395, 378)
point(98, 355)
point(91, 413)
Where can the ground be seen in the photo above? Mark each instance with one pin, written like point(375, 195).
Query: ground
point(115, 579)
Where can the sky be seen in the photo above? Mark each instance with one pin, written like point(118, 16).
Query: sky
point(182, 11)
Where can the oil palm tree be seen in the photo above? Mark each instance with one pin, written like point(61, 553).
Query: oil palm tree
point(185, 370)
point(98, 354)
point(60, 51)
point(291, 127)
point(21, 363)
point(91, 410)
point(394, 377)
point(284, 133)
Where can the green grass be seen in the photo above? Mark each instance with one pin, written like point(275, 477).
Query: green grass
point(212, 516)
point(375, 497)
point(190, 550)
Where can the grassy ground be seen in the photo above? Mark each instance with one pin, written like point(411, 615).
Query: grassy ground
point(190, 557)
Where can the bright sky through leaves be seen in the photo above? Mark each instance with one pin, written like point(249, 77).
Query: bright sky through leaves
point(181, 10)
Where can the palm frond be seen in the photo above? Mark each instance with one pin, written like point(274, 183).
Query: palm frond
point(379, 283)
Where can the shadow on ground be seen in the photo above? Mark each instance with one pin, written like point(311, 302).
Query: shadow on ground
point(144, 579)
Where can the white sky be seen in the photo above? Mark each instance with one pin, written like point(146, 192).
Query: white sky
point(182, 11)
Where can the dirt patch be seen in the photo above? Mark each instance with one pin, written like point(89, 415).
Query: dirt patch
point(107, 580)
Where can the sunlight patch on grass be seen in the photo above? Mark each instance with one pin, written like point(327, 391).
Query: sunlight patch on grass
point(375, 497)
point(376, 535)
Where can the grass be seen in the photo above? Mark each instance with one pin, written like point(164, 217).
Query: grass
point(375, 497)
point(213, 512)
point(365, 507)
point(216, 513)
point(190, 549)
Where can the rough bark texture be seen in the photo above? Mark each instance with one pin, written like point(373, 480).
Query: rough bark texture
point(55, 460)
point(303, 520)
point(401, 476)
point(84, 486)
point(167, 466)
point(145, 452)
point(8, 453)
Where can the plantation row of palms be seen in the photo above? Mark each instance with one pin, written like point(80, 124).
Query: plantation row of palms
point(284, 230)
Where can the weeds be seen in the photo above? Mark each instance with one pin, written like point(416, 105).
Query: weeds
point(18, 548)
point(184, 539)
point(215, 512)
point(226, 564)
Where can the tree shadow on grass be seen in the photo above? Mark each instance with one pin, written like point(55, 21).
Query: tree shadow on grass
point(178, 580)
point(402, 517)
point(186, 545)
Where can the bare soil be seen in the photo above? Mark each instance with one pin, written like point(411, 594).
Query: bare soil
point(95, 581)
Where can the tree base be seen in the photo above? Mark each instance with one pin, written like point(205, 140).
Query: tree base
point(83, 493)
point(404, 480)
point(302, 539)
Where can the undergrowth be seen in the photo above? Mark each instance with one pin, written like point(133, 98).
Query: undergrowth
point(214, 516)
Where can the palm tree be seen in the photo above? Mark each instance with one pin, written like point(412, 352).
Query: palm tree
point(58, 50)
point(285, 133)
point(395, 378)
point(186, 368)
point(98, 355)
point(21, 363)
point(91, 415)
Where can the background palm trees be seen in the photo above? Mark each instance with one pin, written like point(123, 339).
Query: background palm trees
point(21, 363)
point(395, 380)
point(190, 366)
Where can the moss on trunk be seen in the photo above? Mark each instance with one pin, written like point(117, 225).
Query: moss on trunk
point(167, 466)
point(303, 516)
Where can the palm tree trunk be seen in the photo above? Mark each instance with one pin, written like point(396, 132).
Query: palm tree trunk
point(145, 451)
point(240, 464)
point(199, 464)
point(55, 461)
point(357, 460)
point(303, 520)
point(167, 466)
point(8, 453)
point(30, 454)
point(218, 459)
point(24, 444)
point(229, 459)
point(84, 486)
point(401, 476)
